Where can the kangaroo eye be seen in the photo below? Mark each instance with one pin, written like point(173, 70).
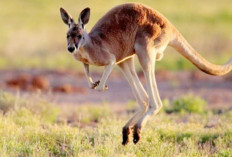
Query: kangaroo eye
point(68, 36)
point(79, 36)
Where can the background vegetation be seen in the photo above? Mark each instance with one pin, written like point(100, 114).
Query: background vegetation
point(33, 35)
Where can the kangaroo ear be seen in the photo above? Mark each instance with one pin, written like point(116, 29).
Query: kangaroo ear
point(66, 17)
point(84, 17)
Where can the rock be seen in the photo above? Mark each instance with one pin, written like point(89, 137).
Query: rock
point(66, 88)
point(40, 82)
point(19, 82)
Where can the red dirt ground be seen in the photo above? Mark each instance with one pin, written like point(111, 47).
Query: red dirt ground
point(68, 87)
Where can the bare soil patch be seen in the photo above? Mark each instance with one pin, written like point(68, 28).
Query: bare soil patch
point(69, 87)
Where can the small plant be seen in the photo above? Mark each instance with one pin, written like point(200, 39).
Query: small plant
point(208, 138)
point(182, 136)
point(187, 104)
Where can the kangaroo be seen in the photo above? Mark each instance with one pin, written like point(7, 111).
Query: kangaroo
point(126, 31)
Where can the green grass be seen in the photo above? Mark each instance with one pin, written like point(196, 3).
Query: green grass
point(34, 127)
point(33, 34)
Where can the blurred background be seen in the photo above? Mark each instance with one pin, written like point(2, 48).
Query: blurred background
point(33, 49)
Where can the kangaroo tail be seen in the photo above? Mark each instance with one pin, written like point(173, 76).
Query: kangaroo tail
point(181, 45)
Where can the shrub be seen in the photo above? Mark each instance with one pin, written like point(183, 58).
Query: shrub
point(187, 104)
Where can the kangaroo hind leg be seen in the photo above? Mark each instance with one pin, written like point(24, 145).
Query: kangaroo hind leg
point(147, 58)
point(139, 92)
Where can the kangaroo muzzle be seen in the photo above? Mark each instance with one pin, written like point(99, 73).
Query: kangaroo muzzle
point(71, 49)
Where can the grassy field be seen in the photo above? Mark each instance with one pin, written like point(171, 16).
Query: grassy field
point(33, 34)
point(34, 127)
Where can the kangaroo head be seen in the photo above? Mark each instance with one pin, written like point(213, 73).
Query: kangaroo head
point(76, 31)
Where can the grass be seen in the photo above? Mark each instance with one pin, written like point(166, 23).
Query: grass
point(34, 37)
point(34, 127)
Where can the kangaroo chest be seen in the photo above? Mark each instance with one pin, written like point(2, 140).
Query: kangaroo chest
point(82, 56)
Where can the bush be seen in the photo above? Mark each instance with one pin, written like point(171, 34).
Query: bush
point(186, 104)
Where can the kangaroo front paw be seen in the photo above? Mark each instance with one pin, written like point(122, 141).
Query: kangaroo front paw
point(95, 84)
point(125, 135)
point(136, 134)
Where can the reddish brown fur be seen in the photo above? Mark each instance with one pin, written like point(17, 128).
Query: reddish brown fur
point(120, 27)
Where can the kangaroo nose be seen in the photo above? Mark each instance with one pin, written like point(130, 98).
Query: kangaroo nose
point(71, 49)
